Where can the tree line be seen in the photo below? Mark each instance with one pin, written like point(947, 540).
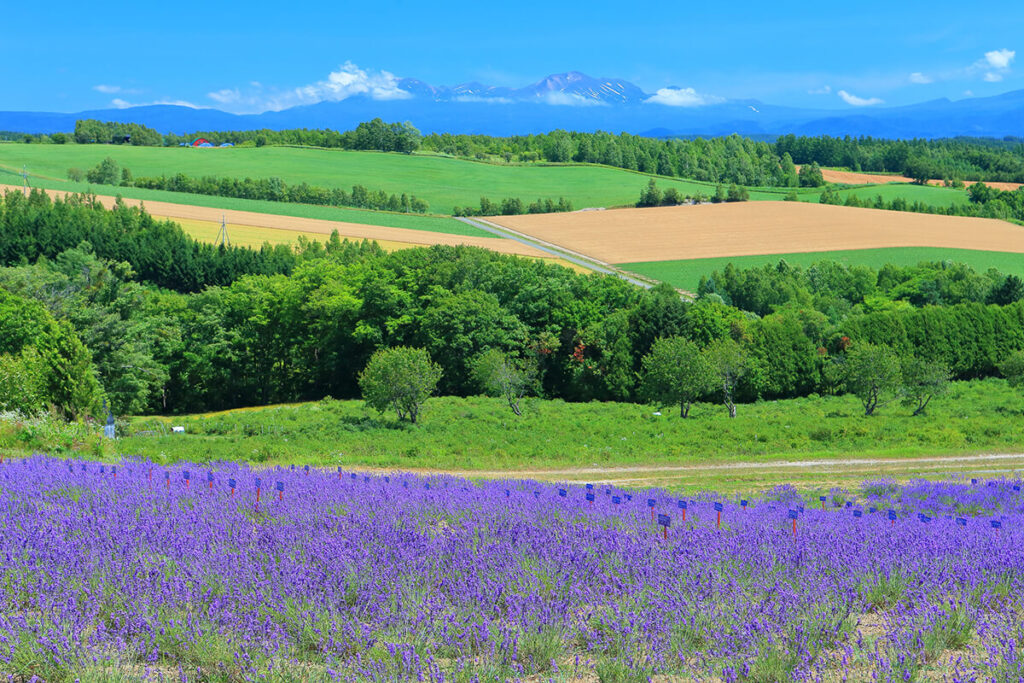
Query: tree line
point(273, 189)
point(513, 206)
point(159, 252)
point(952, 158)
point(303, 322)
point(731, 159)
point(983, 202)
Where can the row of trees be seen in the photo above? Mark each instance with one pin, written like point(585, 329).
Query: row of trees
point(653, 196)
point(276, 190)
point(513, 206)
point(731, 159)
point(678, 373)
point(107, 172)
point(236, 327)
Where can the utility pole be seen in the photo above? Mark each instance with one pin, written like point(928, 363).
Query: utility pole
point(222, 236)
point(24, 178)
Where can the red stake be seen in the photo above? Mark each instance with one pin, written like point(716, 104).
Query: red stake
point(664, 532)
point(719, 519)
point(257, 495)
point(684, 514)
point(211, 485)
point(232, 491)
point(794, 527)
point(280, 495)
point(652, 514)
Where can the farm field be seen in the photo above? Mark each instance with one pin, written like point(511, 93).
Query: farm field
point(753, 228)
point(230, 573)
point(389, 219)
point(443, 182)
point(832, 175)
point(686, 274)
point(941, 197)
point(285, 224)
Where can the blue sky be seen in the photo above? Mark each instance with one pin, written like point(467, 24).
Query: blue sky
point(261, 55)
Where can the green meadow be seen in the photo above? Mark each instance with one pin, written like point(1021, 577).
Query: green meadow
point(444, 182)
point(686, 274)
point(480, 435)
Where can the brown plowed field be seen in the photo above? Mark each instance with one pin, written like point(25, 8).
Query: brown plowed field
point(851, 178)
point(750, 228)
point(314, 225)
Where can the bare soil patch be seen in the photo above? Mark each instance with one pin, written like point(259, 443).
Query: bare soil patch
point(754, 228)
point(314, 225)
point(852, 178)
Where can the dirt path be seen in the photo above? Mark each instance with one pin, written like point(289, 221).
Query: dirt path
point(614, 473)
point(314, 225)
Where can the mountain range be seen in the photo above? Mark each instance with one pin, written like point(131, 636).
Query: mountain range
point(573, 101)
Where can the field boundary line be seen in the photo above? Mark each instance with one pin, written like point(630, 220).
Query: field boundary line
point(576, 257)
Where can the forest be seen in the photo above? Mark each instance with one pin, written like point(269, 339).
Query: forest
point(126, 321)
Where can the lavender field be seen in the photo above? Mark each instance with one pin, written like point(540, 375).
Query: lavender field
point(140, 572)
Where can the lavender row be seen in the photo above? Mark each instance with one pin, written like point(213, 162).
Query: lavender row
point(305, 574)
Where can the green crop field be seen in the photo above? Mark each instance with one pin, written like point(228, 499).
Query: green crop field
point(479, 435)
point(444, 182)
point(329, 213)
point(686, 274)
point(943, 197)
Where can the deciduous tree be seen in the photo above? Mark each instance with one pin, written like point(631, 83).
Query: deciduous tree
point(399, 379)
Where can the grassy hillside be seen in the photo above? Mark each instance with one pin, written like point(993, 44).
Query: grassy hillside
point(482, 433)
point(686, 274)
point(444, 182)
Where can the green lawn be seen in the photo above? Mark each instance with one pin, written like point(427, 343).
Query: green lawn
point(686, 274)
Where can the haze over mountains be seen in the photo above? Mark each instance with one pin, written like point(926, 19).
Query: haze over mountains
point(573, 101)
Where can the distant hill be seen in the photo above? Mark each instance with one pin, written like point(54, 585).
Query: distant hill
point(573, 101)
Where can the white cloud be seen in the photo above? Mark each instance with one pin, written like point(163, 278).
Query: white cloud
point(682, 97)
point(350, 80)
point(968, 93)
point(855, 101)
point(118, 103)
point(824, 90)
point(107, 89)
point(487, 100)
point(920, 78)
point(339, 85)
point(993, 66)
point(1000, 59)
point(226, 96)
point(567, 99)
